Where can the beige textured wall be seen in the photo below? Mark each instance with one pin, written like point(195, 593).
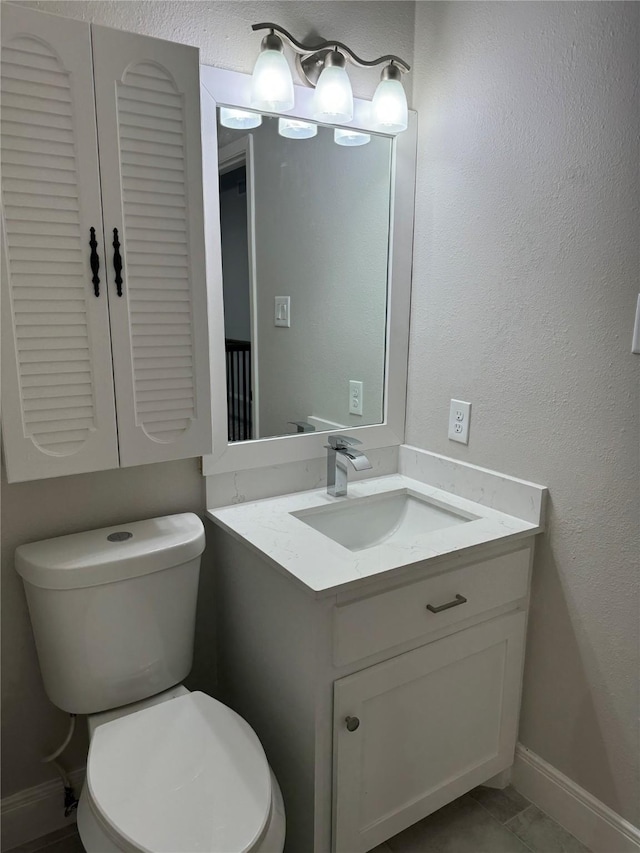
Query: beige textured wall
point(31, 511)
point(525, 283)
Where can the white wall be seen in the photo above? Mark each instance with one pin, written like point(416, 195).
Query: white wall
point(525, 283)
point(321, 238)
point(31, 511)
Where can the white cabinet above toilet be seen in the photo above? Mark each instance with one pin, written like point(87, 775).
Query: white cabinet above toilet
point(105, 341)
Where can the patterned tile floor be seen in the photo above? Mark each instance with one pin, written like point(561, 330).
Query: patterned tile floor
point(483, 821)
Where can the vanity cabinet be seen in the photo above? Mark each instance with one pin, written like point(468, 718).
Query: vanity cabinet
point(414, 732)
point(373, 709)
point(105, 338)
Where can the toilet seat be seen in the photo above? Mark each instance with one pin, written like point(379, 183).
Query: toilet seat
point(188, 774)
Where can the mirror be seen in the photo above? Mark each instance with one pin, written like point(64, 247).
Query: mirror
point(305, 224)
point(385, 428)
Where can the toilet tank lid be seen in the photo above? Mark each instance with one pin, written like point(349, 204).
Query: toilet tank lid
point(111, 553)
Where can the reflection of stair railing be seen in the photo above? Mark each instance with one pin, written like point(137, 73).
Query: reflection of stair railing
point(239, 404)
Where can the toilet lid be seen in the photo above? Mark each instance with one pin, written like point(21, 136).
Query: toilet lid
point(188, 774)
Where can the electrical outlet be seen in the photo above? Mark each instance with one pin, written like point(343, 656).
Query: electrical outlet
point(459, 417)
point(282, 315)
point(355, 397)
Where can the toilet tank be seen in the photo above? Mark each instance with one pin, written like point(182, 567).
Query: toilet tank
point(113, 610)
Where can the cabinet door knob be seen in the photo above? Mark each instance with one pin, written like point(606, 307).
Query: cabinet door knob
point(94, 261)
point(352, 723)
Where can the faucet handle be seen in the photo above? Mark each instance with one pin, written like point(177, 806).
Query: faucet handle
point(341, 442)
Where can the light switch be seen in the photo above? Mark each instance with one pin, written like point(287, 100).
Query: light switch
point(282, 315)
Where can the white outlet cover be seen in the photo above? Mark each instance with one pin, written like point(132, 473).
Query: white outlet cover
point(459, 417)
point(355, 397)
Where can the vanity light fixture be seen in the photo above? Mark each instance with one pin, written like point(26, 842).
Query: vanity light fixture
point(239, 119)
point(389, 105)
point(272, 83)
point(350, 138)
point(322, 65)
point(294, 129)
point(333, 98)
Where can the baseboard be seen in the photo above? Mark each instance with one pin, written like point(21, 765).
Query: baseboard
point(35, 812)
point(597, 826)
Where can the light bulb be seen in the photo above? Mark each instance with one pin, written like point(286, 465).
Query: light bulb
point(239, 119)
point(333, 98)
point(343, 136)
point(271, 83)
point(294, 129)
point(389, 105)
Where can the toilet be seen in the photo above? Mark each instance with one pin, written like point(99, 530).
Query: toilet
point(113, 614)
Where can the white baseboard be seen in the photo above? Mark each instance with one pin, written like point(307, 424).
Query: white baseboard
point(597, 826)
point(35, 812)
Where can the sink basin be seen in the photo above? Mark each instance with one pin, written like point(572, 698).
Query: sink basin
point(399, 517)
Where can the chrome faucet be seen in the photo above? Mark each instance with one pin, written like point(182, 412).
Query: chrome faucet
point(340, 449)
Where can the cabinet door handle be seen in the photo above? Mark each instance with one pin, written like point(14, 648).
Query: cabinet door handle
point(352, 723)
point(117, 261)
point(459, 599)
point(94, 260)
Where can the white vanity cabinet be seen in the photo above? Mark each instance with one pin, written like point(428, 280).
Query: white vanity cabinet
point(375, 709)
point(105, 346)
point(419, 729)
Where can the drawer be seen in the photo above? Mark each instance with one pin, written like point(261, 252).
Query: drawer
point(368, 626)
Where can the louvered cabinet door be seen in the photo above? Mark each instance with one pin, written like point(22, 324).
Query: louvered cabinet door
point(148, 109)
point(57, 383)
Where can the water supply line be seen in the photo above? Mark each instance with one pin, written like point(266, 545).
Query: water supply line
point(70, 799)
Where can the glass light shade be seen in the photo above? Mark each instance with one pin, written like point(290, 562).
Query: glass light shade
point(239, 119)
point(333, 98)
point(271, 83)
point(342, 136)
point(389, 107)
point(295, 129)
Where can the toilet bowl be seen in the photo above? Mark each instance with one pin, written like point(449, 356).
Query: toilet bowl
point(186, 774)
point(168, 771)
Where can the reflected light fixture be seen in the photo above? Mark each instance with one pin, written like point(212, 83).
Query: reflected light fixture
point(322, 65)
point(271, 82)
point(350, 138)
point(239, 119)
point(295, 129)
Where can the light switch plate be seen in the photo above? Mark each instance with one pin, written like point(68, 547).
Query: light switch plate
point(282, 312)
point(355, 397)
point(459, 417)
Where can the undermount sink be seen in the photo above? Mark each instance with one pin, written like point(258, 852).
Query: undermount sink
point(393, 517)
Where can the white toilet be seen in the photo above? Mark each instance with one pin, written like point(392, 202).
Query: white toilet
point(113, 615)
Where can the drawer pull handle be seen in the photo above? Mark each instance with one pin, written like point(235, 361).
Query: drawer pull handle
point(459, 599)
point(352, 723)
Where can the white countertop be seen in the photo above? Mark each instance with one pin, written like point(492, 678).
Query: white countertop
point(324, 567)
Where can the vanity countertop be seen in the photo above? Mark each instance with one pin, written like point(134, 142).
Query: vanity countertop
point(323, 567)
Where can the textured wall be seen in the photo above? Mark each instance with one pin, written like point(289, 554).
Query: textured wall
point(35, 510)
point(525, 282)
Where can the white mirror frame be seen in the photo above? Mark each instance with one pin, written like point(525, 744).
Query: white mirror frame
point(230, 88)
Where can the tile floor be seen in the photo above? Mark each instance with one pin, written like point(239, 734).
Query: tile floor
point(483, 821)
